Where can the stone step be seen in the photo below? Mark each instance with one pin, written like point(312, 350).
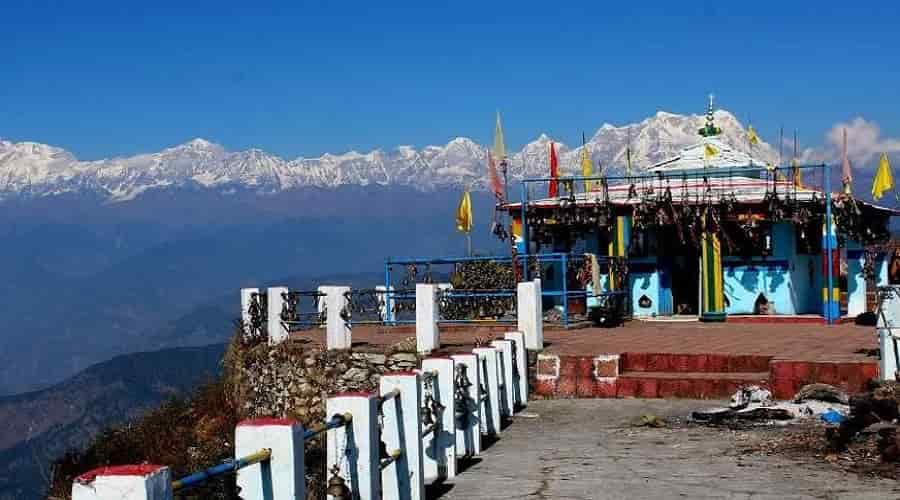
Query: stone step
point(692, 363)
point(692, 385)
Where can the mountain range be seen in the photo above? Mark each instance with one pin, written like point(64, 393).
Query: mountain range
point(31, 169)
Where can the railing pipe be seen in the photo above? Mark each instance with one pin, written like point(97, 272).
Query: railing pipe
point(229, 466)
point(335, 422)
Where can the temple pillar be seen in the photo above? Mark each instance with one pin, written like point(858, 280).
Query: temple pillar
point(619, 238)
point(831, 256)
point(713, 296)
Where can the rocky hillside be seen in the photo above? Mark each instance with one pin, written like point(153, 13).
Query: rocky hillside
point(39, 426)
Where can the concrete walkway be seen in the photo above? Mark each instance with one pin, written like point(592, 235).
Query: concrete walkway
point(587, 449)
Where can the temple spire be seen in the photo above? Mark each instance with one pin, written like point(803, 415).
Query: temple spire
point(710, 129)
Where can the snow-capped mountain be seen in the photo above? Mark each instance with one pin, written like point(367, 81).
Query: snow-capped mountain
point(34, 169)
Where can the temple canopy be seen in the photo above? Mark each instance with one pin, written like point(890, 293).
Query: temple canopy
point(694, 157)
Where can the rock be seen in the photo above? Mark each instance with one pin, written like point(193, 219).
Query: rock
point(376, 359)
point(405, 357)
point(822, 392)
point(356, 375)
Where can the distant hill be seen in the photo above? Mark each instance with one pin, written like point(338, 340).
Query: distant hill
point(39, 426)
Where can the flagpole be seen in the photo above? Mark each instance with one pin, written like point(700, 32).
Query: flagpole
point(468, 244)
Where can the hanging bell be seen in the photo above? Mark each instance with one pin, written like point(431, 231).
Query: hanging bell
point(337, 488)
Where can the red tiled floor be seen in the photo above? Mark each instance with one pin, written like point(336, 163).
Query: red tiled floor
point(803, 342)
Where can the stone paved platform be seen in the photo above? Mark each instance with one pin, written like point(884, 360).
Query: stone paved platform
point(671, 359)
point(543, 457)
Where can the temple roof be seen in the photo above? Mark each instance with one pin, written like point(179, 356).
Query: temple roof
point(694, 190)
point(693, 158)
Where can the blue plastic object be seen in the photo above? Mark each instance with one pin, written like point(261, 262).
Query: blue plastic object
point(833, 416)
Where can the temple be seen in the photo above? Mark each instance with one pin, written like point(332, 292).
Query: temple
point(710, 233)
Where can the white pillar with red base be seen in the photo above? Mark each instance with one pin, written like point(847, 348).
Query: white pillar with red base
point(337, 327)
point(428, 336)
point(468, 423)
point(520, 387)
point(490, 390)
point(275, 303)
point(353, 449)
point(404, 478)
point(124, 482)
point(530, 314)
point(440, 444)
point(505, 376)
point(283, 476)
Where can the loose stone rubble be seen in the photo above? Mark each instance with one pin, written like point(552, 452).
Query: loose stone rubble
point(292, 380)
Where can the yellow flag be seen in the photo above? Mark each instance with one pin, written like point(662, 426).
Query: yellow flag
point(464, 213)
point(798, 174)
point(709, 151)
point(751, 135)
point(499, 146)
point(884, 180)
point(586, 167)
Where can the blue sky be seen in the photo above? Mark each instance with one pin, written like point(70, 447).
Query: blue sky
point(303, 78)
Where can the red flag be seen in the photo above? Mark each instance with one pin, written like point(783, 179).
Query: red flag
point(496, 185)
point(554, 173)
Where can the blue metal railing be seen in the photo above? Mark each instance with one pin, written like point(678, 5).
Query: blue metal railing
point(226, 467)
point(263, 455)
point(335, 422)
point(524, 260)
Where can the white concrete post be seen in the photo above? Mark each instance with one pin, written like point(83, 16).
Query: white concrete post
point(881, 269)
point(856, 280)
point(283, 476)
point(386, 301)
point(354, 448)
point(428, 336)
point(276, 330)
point(529, 311)
point(440, 445)
point(336, 328)
point(487, 372)
point(505, 375)
point(520, 387)
point(468, 424)
point(124, 482)
point(246, 299)
point(888, 328)
point(403, 479)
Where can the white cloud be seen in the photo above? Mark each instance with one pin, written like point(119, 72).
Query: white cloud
point(864, 144)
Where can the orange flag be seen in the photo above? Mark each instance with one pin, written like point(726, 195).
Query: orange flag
point(554, 173)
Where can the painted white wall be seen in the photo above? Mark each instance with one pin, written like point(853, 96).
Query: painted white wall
point(283, 477)
point(115, 485)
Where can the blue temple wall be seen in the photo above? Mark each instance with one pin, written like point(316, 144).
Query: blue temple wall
point(644, 279)
point(790, 281)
